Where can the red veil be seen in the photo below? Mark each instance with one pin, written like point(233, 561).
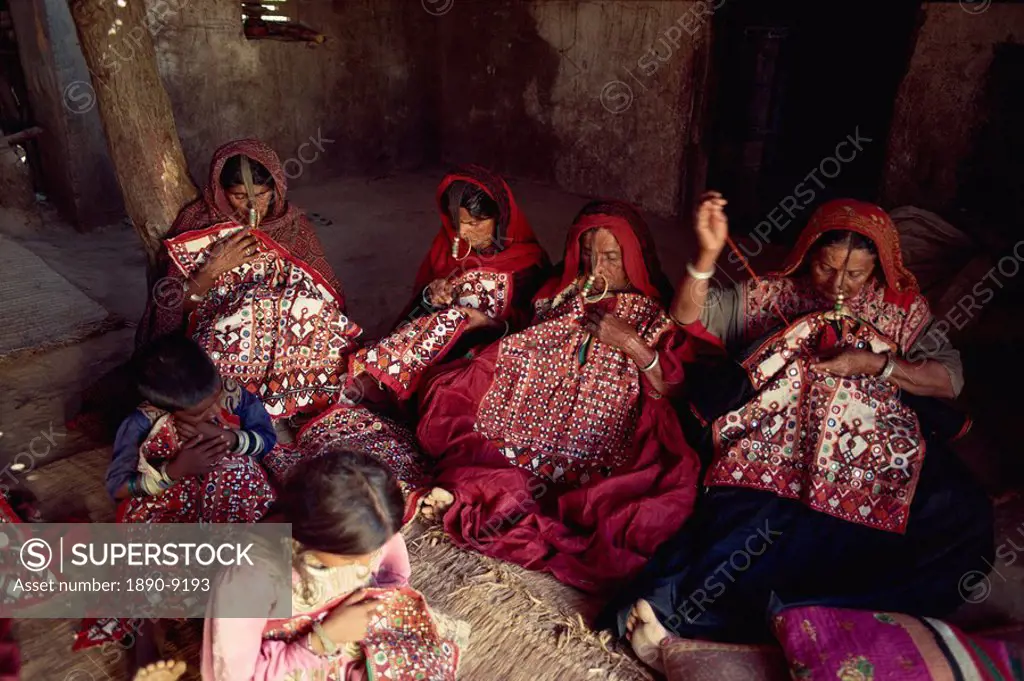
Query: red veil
point(284, 223)
point(594, 533)
point(516, 249)
point(869, 221)
point(517, 246)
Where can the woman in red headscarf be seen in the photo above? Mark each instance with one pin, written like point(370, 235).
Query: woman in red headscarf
point(830, 479)
point(246, 276)
point(558, 443)
point(475, 284)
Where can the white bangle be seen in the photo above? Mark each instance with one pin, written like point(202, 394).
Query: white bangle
point(696, 274)
point(653, 363)
point(890, 366)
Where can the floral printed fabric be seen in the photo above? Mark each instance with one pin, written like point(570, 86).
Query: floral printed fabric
point(858, 645)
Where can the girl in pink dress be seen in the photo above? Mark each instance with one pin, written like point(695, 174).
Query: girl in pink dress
point(353, 615)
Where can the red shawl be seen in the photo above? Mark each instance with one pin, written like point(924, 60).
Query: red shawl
point(869, 221)
point(638, 254)
point(516, 247)
point(547, 492)
point(284, 223)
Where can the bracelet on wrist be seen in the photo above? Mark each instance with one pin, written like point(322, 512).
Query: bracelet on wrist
point(697, 274)
point(890, 366)
point(654, 363)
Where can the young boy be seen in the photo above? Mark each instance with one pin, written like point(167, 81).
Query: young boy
point(192, 451)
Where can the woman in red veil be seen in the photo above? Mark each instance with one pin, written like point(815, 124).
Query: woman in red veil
point(279, 219)
point(474, 285)
point(558, 443)
point(246, 277)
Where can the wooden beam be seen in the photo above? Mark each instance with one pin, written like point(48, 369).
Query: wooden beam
point(136, 114)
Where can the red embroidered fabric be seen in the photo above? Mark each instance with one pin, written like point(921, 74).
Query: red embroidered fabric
point(402, 643)
point(236, 491)
point(539, 386)
point(356, 428)
point(284, 224)
point(273, 324)
point(843, 446)
point(577, 469)
point(400, 360)
point(516, 251)
point(900, 321)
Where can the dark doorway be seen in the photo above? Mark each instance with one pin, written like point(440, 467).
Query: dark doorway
point(791, 81)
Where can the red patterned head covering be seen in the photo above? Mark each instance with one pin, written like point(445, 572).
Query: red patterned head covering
point(516, 245)
point(214, 207)
point(638, 253)
point(865, 219)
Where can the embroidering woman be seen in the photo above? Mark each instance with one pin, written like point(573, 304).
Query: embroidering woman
point(558, 443)
point(476, 283)
point(830, 481)
point(247, 279)
point(352, 615)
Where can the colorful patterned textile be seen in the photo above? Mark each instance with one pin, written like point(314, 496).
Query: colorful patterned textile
point(398, 361)
point(843, 446)
point(284, 223)
point(273, 324)
point(359, 429)
point(687, 660)
point(539, 386)
point(900, 320)
point(561, 454)
point(236, 491)
point(515, 248)
point(859, 645)
point(402, 643)
point(405, 640)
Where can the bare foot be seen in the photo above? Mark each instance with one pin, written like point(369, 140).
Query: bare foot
point(436, 503)
point(167, 670)
point(645, 634)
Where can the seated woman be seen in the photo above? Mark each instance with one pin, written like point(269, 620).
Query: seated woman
point(475, 284)
point(558, 443)
point(830, 481)
point(247, 278)
point(352, 614)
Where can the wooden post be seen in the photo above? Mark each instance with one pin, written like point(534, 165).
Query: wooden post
point(136, 114)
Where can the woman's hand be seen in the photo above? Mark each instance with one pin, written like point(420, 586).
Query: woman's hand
point(610, 330)
point(711, 227)
point(348, 623)
point(851, 363)
point(197, 457)
point(229, 253)
point(440, 293)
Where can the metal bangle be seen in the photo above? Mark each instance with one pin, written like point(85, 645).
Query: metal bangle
point(653, 363)
point(890, 366)
point(696, 274)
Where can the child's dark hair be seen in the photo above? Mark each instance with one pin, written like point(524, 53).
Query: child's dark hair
point(844, 237)
point(174, 373)
point(342, 502)
point(462, 194)
point(231, 173)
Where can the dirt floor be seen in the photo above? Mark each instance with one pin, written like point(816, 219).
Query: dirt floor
point(375, 231)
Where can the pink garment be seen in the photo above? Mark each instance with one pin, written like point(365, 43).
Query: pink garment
point(236, 649)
